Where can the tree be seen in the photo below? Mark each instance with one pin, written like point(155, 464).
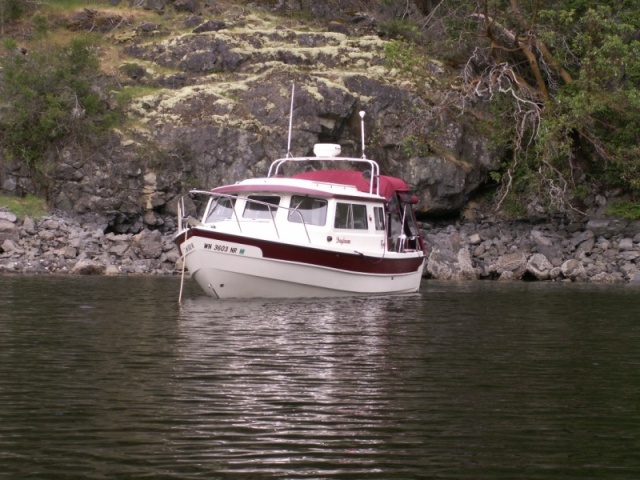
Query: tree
point(563, 79)
point(48, 101)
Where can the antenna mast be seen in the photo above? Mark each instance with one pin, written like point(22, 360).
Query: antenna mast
point(293, 91)
point(362, 131)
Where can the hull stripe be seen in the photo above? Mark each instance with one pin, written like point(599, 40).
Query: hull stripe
point(314, 256)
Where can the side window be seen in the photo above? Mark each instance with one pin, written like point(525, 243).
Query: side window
point(378, 215)
point(261, 206)
point(351, 215)
point(221, 208)
point(312, 210)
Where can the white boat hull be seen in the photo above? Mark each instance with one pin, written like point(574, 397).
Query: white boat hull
point(231, 274)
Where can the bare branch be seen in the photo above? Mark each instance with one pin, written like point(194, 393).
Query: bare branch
point(524, 48)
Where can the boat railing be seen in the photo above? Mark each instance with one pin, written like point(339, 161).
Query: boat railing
point(374, 185)
point(186, 222)
point(181, 213)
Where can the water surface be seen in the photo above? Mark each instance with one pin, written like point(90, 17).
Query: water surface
point(112, 378)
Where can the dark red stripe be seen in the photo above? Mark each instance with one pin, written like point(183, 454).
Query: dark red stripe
point(314, 256)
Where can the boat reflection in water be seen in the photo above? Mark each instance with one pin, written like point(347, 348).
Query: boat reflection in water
point(297, 385)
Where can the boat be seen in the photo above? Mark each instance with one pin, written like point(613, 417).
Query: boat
point(321, 225)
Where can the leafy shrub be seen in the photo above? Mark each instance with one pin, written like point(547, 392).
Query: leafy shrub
point(404, 56)
point(48, 99)
point(627, 210)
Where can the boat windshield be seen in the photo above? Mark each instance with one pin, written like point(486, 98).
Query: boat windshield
point(220, 208)
point(313, 211)
point(261, 206)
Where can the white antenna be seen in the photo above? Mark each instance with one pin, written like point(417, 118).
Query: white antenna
point(293, 91)
point(362, 131)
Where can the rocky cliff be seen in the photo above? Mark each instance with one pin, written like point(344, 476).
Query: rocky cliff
point(216, 78)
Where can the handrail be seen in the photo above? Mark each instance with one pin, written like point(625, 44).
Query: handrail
point(271, 207)
point(180, 212)
point(375, 168)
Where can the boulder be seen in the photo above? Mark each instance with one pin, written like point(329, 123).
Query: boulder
point(541, 239)
point(29, 226)
point(9, 246)
point(553, 253)
point(625, 244)
point(8, 216)
point(514, 263)
point(573, 270)
point(539, 266)
point(445, 264)
point(8, 230)
point(599, 226)
point(88, 267)
point(148, 244)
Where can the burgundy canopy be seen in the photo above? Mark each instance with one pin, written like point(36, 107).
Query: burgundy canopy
point(388, 185)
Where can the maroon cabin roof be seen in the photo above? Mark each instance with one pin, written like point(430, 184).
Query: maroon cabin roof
point(388, 185)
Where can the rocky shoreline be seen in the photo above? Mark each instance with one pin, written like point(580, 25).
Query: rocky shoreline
point(603, 250)
point(60, 244)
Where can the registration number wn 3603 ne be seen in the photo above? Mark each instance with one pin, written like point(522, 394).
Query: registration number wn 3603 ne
point(217, 247)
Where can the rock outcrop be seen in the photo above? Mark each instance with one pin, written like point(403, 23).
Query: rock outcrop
point(217, 79)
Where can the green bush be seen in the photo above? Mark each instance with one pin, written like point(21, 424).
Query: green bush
point(49, 100)
point(626, 210)
point(404, 56)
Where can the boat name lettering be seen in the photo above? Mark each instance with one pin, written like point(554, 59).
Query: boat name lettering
point(342, 240)
point(188, 247)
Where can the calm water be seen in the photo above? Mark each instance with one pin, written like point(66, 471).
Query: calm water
point(111, 378)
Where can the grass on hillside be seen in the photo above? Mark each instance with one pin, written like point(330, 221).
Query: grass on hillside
point(29, 206)
point(70, 5)
point(626, 210)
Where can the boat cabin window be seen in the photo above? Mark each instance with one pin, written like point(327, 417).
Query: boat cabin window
point(220, 208)
point(261, 206)
point(312, 210)
point(351, 215)
point(378, 216)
